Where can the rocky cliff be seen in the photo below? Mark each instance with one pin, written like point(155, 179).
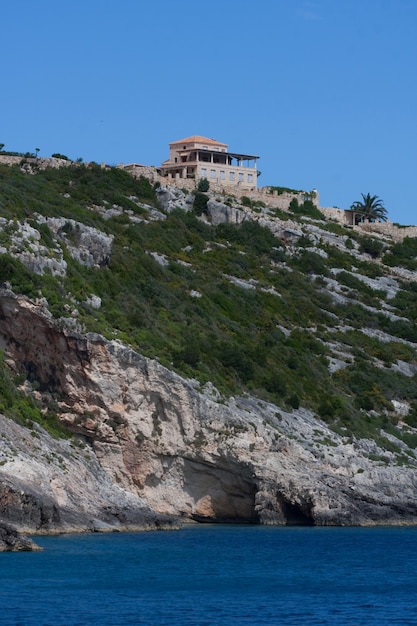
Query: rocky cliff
point(149, 446)
point(310, 326)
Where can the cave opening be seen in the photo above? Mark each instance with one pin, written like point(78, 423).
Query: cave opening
point(295, 515)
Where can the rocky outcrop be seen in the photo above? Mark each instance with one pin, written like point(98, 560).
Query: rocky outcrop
point(49, 486)
point(86, 244)
point(220, 213)
point(12, 541)
point(158, 445)
point(170, 198)
point(25, 245)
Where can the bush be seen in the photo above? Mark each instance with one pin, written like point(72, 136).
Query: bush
point(371, 246)
point(307, 209)
point(200, 203)
point(256, 238)
point(21, 279)
point(294, 401)
point(403, 254)
point(276, 384)
point(203, 185)
point(57, 155)
point(310, 263)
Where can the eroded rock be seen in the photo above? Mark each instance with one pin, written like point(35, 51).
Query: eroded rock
point(13, 541)
point(160, 443)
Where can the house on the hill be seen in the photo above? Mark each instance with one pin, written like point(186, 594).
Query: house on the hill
point(199, 157)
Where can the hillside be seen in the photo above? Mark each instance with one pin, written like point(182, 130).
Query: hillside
point(213, 357)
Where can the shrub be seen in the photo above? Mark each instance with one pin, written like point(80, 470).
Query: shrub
point(22, 280)
point(371, 246)
point(57, 155)
point(203, 185)
point(403, 254)
point(256, 238)
point(294, 206)
point(294, 401)
point(310, 263)
point(276, 384)
point(200, 203)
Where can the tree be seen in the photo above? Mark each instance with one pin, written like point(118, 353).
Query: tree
point(2, 146)
point(369, 209)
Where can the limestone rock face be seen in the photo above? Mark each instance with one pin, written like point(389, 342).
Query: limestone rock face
point(220, 213)
point(86, 244)
point(49, 485)
point(157, 442)
point(170, 198)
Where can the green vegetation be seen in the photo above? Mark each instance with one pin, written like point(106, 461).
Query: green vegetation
point(22, 408)
point(67, 191)
point(252, 204)
point(58, 155)
point(307, 209)
point(403, 254)
point(371, 246)
point(281, 190)
point(200, 202)
point(227, 304)
point(203, 185)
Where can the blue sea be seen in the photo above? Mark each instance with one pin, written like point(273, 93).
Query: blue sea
point(210, 575)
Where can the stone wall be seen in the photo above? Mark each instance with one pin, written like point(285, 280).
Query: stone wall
point(40, 162)
point(385, 229)
point(337, 215)
point(263, 194)
point(10, 160)
point(388, 229)
point(148, 171)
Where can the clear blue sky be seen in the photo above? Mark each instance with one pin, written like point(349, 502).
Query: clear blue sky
point(325, 91)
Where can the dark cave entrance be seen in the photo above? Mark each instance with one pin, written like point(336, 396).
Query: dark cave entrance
point(295, 515)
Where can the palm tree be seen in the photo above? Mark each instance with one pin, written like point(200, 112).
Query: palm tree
point(370, 209)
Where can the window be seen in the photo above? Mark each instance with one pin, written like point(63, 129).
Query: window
point(222, 174)
point(250, 178)
point(240, 177)
point(212, 173)
point(204, 172)
point(231, 175)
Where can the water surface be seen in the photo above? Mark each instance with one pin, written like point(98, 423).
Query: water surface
point(215, 575)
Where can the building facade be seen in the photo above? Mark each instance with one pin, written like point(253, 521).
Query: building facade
point(199, 157)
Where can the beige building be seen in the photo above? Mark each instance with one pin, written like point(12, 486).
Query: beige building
point(199, 157)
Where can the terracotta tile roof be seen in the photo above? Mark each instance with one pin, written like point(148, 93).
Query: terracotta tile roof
point(199, 139)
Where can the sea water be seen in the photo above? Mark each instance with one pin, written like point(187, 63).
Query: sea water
point(215, 575)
